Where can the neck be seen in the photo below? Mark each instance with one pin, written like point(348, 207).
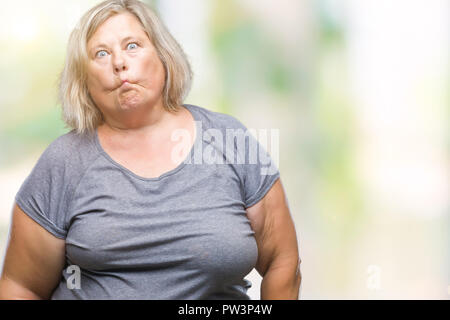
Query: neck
point(137, 122)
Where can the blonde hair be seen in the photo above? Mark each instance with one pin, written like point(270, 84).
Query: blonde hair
point(79, 111)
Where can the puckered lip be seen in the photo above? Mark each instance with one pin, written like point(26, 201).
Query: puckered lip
point(124, 82)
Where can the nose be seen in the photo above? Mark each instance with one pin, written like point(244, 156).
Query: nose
point(119, 63)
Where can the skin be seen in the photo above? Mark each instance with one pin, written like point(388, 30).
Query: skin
point(137, 106)
point(137, 129)
point(278, 257)
point(136, 133)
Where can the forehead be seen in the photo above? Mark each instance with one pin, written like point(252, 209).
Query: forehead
point(116, 27)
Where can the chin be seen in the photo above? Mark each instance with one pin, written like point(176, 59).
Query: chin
point(130, 106)
point(131, 102)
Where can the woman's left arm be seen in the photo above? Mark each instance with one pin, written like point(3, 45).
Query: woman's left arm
point(278, 256)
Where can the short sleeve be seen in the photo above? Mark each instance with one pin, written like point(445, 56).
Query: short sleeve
point(258, 170)
point(42, 196)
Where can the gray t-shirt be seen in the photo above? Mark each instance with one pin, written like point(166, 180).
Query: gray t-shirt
point(182, 235)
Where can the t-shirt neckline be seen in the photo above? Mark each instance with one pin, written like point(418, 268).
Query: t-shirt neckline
point(189, 157)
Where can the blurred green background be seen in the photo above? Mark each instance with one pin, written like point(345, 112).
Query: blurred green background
point(358, 89)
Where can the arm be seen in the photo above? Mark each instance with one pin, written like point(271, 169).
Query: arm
point(278, 257)
point(33, 262)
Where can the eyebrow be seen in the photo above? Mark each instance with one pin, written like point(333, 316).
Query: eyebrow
point(96, 46)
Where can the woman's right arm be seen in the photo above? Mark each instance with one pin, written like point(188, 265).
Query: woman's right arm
point(34, 260)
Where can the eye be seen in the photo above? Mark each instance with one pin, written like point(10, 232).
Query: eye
point(132, 45)
point(99, 53)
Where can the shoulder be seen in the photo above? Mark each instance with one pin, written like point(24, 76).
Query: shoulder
point(46, 193)
point(218, 120)
point(69, 150)
point(69, 141)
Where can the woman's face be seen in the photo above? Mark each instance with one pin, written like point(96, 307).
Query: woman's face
point(124, 70)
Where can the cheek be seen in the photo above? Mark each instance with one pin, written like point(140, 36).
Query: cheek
point(98, 79)
point(98, 88)
point(152, 71)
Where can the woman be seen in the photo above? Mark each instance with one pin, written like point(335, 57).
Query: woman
point(115, 209)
